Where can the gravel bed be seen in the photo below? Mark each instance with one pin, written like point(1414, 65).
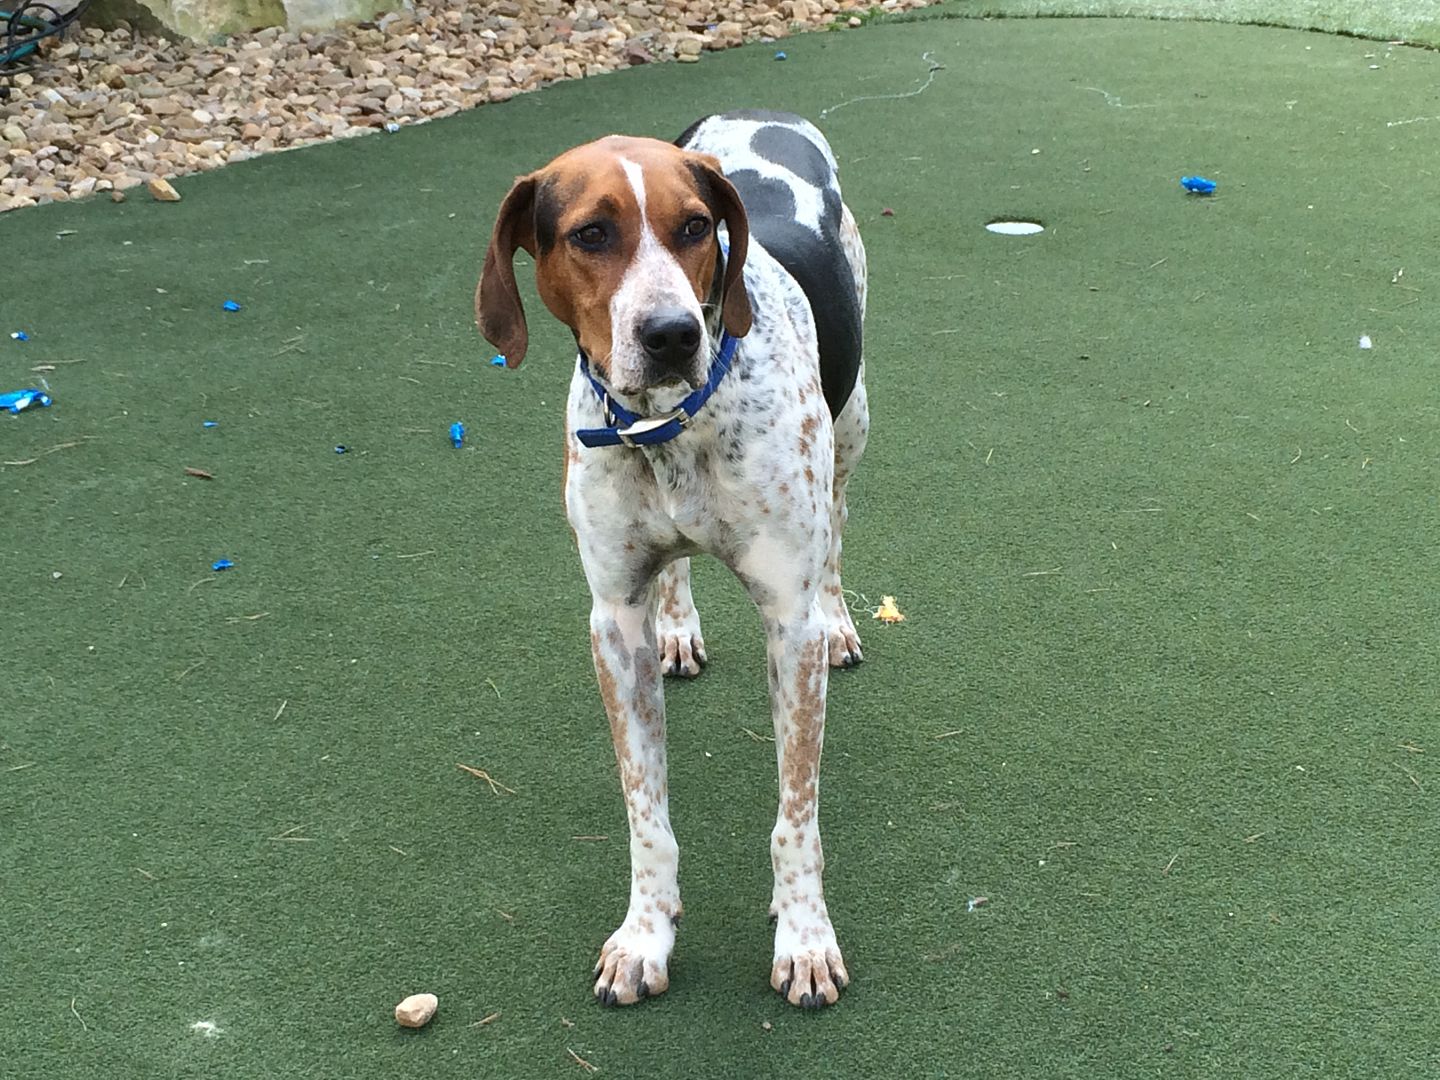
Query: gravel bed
point(107, 111)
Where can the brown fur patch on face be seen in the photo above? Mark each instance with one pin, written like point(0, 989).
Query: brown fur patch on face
point(588, 186)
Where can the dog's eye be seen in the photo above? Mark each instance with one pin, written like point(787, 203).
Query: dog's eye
point(590, 236)
point(696, 227)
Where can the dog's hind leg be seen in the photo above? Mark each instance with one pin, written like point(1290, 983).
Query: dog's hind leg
point(677, 623)
point(852, 429)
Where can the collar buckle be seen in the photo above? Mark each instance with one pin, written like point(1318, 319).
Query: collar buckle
point(647, 424)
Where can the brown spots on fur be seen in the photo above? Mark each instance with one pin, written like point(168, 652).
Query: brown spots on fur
point(673, 606)
point(799, 780)
point(780, 840)
point(808, 427)
point(610, 695)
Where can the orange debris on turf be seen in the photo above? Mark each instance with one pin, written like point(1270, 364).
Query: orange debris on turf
point(887, 612)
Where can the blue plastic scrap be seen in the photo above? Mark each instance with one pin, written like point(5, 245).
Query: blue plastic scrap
point(19, 335)
point(1198, 185)
point(780, 56)
point(340, 448)
point(457, 434)
point(498, 360)
point(209, 423)
point(230, 305)
point(19, 400)
point(221, 564)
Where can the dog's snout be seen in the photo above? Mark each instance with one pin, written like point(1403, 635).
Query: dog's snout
point(670, 338)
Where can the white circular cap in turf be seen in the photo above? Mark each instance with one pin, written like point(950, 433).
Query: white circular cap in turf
point(1015, 228)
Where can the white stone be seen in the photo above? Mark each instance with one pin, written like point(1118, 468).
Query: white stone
point(417, 1010)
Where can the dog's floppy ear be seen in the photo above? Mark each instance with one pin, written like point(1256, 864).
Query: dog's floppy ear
point(498, 311)
point(725, 203)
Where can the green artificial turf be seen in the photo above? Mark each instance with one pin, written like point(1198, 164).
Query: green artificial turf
point(1416, 21)
point(1164, 534)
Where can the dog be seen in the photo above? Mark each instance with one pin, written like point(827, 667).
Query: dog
point(715, 287)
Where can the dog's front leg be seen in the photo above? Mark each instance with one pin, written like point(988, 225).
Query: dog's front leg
point(807, 968)
point(633, 962)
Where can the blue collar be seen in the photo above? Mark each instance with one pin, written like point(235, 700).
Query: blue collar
point(630, 429)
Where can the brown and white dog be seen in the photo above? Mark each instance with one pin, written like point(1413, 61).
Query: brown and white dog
point(716, 291)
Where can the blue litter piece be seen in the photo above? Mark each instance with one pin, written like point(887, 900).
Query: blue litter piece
point(498, 360)
point(221, 564)
point(19, 400)
point(340, 449)
point(457, 434)
point(209, 423)
point(781, 56)
point(1197, 185)
point(230, 305)
point(19, 335)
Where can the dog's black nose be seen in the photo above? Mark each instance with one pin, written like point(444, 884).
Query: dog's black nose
point(670, 337)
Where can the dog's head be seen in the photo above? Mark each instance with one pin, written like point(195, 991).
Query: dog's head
point(622, 231)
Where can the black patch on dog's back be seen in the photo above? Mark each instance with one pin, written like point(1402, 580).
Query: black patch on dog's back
point(816, 261)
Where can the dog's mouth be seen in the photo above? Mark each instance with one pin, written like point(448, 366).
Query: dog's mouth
point(655, 378)
point(677, 382)
point(665, 388)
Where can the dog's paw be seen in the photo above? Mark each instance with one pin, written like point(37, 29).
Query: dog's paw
point(843, 640)
point(810, 978)
point(632, 964)
point(682, 649)
point(808, 970)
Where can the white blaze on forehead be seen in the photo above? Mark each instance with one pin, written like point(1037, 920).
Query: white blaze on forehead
point(653, 279)
point(636, 176)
